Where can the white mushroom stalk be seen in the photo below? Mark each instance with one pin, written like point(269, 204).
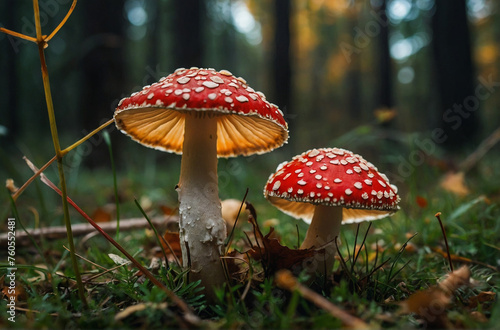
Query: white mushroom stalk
point(324, 227)
point(202, 230)
point(202, 114)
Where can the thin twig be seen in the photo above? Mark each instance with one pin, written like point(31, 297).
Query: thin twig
point(17, 34)
point(286, 280)
point(68, 14)
point(438, 216)
point(80, 229)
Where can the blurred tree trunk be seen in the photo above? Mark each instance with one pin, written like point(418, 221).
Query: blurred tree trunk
point(282, 63)
point(188, 39)
point(384, 97)
point(353, 75)
point(10, 112)
point(454, 73)
point(102, 66)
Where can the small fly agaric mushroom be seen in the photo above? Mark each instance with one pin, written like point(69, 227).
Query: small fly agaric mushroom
point(203, 114)
point(326, 188)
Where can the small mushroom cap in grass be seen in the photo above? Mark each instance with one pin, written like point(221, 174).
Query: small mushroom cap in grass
point(246, 122)
point(332, 177)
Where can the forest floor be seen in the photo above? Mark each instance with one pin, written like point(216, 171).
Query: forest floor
point(392, 273)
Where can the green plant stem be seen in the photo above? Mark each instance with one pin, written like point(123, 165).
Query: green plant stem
point(115, 186)
point(41, 43)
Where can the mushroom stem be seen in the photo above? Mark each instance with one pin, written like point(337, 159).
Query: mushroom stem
point(202, 229)
point(324, 227)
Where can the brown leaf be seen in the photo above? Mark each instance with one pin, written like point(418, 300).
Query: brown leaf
point(431, 304)
point(481, 298)
point(421, 202)
point(271, 253)
point(102, 214)
point(455, 183)
point(175, 246)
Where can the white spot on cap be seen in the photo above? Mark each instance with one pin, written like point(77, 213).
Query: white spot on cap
point(349, 171)
point(217, 79)
point(319, 185)
point(150, 96)
point(300, 191)
point(277, 185)
point(313, 153)
point(178, 92)
point(357, 169)
point(183, 80)
point(318, 177)
point(335, 162)
point(363, 166)
point(290, 190)
point(337, 180)
point(368, 182)
point(241, 98)
point(210, 84)
point(212, 96)
point(302, 182)
point(287, 176)
point(199, 89)
point(225, 73)
point(324, 168)
point(253, 96)
point(358, 185)
point(348, 191)
point(343, 162)
point(364, 195)
point(228, 100)
point(309, 163)
point(186, 96)
point(312, 194)
point(382, 183)
point(300, 175)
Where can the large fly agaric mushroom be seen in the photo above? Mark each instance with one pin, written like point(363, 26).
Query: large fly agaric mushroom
point(329, 187)
point(202, 114)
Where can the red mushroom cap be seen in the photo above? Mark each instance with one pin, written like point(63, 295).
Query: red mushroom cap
point(247, 123)
point(333, 177)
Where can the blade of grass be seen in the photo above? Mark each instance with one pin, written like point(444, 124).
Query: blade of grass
point(438, 216)
point(105, 134)
point(229, 240)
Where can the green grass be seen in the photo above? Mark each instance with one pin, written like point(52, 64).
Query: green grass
point(383, 274)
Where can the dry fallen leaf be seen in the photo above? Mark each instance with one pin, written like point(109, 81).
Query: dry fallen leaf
point(431, 304)
point(271, 253)
point(175, 246)
point(454, 182)
point(421, 202)
point(103, 214)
